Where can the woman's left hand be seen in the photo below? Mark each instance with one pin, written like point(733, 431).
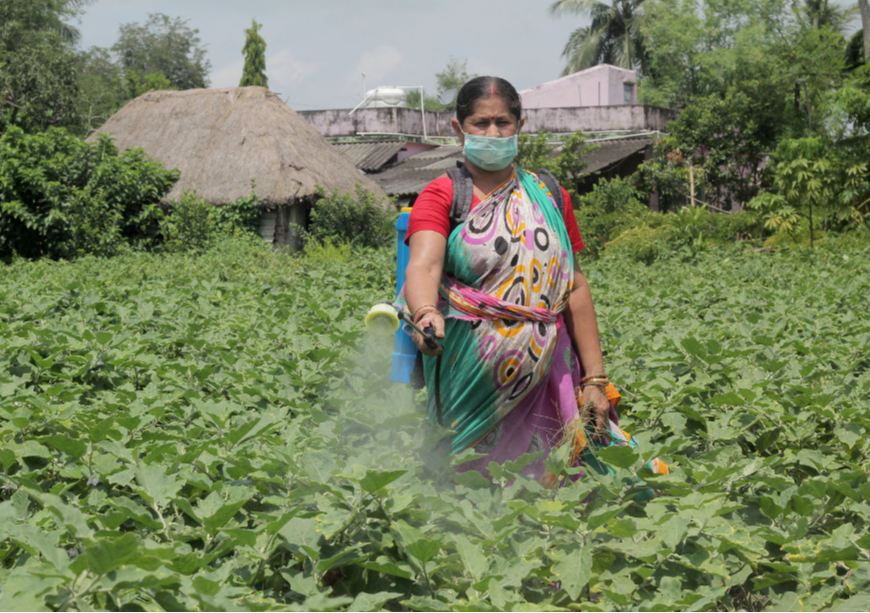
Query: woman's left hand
point(595, 409)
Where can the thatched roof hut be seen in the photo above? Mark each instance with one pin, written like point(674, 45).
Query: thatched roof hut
point(219, 139)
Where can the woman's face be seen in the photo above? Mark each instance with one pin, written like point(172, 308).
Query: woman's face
point(491, 117)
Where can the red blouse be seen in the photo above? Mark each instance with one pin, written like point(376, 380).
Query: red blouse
point(431, 211)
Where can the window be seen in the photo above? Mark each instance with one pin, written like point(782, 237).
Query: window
point(627, 94)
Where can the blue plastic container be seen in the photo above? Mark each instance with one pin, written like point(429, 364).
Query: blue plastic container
point(404, 351)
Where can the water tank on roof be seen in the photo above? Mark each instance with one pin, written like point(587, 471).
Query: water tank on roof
point(386, 97)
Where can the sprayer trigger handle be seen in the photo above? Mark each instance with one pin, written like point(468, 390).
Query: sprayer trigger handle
point(429, 337)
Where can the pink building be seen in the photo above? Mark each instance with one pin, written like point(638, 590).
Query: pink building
point(603, 85)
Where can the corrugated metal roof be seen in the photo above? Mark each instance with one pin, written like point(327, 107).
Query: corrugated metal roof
point(610, 152)
point(409, 177)
point(369, 157)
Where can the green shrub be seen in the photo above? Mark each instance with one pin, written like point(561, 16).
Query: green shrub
point(189, 226)
point(645, 243)
point(50, 181)
point(94, 226)
point(685, 233)
point(341, 218)
point(608, 210)
point(568, 165)
point(239, 217)
point(322, 253)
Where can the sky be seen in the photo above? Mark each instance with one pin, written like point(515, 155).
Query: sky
point(317, 50)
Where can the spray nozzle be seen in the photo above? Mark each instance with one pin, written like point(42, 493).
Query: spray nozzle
point(384, 317)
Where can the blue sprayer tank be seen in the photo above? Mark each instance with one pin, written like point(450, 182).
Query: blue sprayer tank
point(404, 351)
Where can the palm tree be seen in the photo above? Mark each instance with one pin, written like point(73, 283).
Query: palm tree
point(613, 37)
point(825, 13)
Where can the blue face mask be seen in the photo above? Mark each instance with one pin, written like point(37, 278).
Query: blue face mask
point(491, 153)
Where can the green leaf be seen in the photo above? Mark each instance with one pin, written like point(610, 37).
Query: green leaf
point(849, 434)
point(224, 514)
point(156, 486)
point(373, 481)
point(424, 550)
point(301, 536)
point(71, 446)
point(472, 557)
point(621, 456)
point(384, 565)
point(365, 601)
point(423, 603)
point(573, 569)
point(110, 554)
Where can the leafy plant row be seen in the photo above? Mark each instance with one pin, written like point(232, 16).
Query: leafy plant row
point(217, 432)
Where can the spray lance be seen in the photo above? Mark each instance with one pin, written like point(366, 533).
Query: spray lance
point(384, 318)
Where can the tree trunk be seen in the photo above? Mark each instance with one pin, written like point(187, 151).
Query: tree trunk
point(865, 23)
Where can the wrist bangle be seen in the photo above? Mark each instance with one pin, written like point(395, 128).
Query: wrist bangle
point(420, 308)
point(418, 315)
point(590, 377)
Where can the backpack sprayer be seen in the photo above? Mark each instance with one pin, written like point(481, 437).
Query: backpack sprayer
point(385, 317)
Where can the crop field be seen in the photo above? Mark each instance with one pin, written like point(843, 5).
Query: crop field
point(219, 432)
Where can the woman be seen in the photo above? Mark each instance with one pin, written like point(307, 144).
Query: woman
point(507, 297)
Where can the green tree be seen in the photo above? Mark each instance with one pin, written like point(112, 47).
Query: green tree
point(820, 13)
point(855, 50)
point(614, 37)
point(432, 103)
point(38, 86)
point(102, 88)
point(566, 161)
point(848, 118)
point(254, 72)
point(163, 46)
point(60, 196)
point(453, 77)
point(805, 185)
point(728, 138)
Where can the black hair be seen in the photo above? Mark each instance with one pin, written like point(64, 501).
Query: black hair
point(484, 87)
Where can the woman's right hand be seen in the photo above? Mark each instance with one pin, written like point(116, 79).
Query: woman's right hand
point(434, 319)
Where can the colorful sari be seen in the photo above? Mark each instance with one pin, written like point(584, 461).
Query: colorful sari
point(505, 383)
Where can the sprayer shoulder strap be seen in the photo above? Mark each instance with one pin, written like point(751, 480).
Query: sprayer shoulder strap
point(552, 184)
point(463, 192)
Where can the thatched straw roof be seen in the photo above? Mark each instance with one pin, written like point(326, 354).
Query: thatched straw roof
point(221, 138)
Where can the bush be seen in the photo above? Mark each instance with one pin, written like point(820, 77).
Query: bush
point(239, 217)
point(189, 226)
point(340, 218)
point(568, 165)
point(94, 226)
point(685, 232)
point(61, 197)
point(609, 209)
